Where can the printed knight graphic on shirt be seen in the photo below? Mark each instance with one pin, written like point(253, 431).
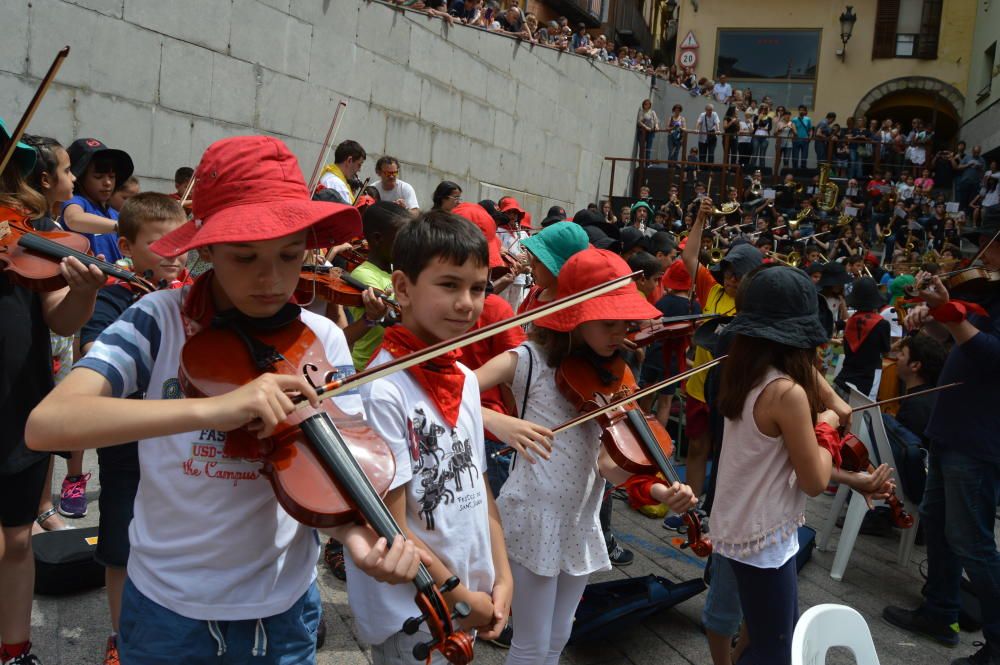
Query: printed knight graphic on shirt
point(208, 458)
point(443, 467)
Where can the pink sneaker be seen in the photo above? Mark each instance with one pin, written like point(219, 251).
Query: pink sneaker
point(73, 500)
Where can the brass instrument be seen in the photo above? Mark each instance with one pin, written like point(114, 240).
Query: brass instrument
point(844, 221)
point(756, 188)
point(792, 259)
point(827, 191)
point(887, 232)
point(716, 254)
point(727, 208)
point(804, 215)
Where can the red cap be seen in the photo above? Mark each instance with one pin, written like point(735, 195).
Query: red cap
point(476, 214)
point(677, 277)
point(588, 268)
point(510, 203)
point(250, 188)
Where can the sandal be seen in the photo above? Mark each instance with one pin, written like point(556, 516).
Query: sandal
point(44, 517)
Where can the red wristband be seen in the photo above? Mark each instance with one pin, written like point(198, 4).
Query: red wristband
point(828, 438)
point(638, 489)
point(955, 311)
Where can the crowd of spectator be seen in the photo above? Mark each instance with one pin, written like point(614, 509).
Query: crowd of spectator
point(508, 19)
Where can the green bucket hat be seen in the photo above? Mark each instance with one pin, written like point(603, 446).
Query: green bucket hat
point(642, 204)
point(24, 154)
point(554, 244)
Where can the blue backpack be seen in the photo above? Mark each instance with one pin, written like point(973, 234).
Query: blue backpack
point(911, 457)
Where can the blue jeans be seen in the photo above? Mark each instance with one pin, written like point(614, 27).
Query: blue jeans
point(759, 152)
point(722, 613)
point(674, 144)
point(646, 144)
point(151, 634)
point(706, 149)
point(959, 511)
point(800, 153)
point(820, 152)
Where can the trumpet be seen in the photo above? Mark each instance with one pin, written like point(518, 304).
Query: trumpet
point(804, 215)
point(792, 259)
point(716, 254)
point(887, 232)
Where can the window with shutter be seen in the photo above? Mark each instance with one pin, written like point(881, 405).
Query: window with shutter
point(886, 18)
point(930, 28)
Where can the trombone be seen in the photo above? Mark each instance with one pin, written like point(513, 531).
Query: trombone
point(792, 259)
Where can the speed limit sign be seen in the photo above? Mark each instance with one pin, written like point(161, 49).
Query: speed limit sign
point(688, 58)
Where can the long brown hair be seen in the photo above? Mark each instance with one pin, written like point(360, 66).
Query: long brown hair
point(749, 360)
point(16, 193)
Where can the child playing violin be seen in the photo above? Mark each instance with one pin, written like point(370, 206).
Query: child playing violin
point(216, 564)
point(430, 415)
point(550, 508)
point(25, 320)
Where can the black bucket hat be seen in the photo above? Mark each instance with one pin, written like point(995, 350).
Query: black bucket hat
point(709, 333)
point(834, 274)
point(779, 303)
point(864, 296)
point(592, 218)
point(740, 259)
point(83, 151)
point(599, 239)
point(630, 237)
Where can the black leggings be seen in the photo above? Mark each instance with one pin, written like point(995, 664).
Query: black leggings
point(770, 601)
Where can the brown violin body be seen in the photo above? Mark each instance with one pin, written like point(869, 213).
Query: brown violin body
point(31, 258)
point(326, 467)
point(657, 331)
point(335, 285)
point(854, 457)
point(973, 281)
point(634, 440)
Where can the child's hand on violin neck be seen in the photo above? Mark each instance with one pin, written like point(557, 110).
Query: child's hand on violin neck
point(397, 564)
point(678, 497)
point(81, 277)
point(259, 405)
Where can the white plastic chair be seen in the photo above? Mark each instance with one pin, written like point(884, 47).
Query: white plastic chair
point(826, 626)
point(857, 508)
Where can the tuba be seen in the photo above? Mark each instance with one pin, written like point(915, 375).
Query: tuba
point(828, 191)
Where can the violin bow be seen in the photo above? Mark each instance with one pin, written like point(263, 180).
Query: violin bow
point(639, 394)
point(900, 398)
point(331, 133)
point(33, 105)
point(336, 387)
point(187, 191)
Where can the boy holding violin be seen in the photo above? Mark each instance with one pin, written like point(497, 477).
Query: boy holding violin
point(963, 477)
point(26, 316)
point(431, 417)
point(216, 564)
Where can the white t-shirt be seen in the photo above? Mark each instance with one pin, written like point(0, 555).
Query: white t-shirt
point(722, 92)
point(330, 181)
point(511, 242)
point(446, 494)
point(209, 540)
point(402, 190)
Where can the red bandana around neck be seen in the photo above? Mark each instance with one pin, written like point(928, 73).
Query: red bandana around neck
point(859, 327)
point(198, 307)
point(440, 378)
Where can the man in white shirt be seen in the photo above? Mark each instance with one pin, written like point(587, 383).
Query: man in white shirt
point(722, 91)
point(391, 188)
point(708, 128)
point(348, 159)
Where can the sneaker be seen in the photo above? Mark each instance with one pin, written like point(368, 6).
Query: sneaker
point(982, 657)
point(503, 640)
point(673, 522)
point(619, 555)
point(111, 651)
point(333, 555)
point(917, 621)
point(25, 659)
point(73, 501)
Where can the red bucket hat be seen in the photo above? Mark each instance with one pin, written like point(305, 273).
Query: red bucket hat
point(677, 277)
point(250, 188)
point(510, 203)
point(588, 268)
point(476, 214)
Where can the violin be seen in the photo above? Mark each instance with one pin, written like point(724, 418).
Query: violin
point(31, 258)
point(854, 457)
point(337, 286)
point(326, 467)
point(634, 440)
point(668, 327)
point(355, 255)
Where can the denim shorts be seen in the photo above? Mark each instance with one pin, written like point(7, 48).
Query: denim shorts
point(151, 634)
point(722, 612)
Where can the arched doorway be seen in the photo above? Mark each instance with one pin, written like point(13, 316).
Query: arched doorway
point(902, 99)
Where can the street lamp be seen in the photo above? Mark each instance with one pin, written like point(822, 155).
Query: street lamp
point(847, 20)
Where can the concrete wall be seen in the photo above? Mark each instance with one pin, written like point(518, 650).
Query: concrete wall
point(982, 112)
point(162, 80)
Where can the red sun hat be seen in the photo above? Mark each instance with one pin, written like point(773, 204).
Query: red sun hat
point(510, 203)
point(250, 188)
point(588, 268)
point(677, 277)
point(476, 214)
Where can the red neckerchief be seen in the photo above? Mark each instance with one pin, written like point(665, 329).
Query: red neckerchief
point(198, 308)
point(440, 378)
point(859, 327)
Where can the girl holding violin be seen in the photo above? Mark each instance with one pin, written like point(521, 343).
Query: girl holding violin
point(550, 508)
point(26, 316)
point(212, 551)
point(963, 477)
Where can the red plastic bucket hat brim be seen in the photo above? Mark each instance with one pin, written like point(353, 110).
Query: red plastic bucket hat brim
point(623, 304)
